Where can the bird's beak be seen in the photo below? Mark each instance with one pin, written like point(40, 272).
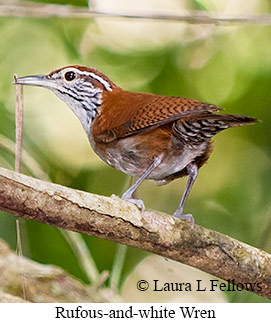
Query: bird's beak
point(36, 80)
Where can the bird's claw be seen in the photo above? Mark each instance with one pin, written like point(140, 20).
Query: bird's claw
point(137, 202)
point(188, 217)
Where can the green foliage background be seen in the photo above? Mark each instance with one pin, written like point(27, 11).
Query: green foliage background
point(226, 66)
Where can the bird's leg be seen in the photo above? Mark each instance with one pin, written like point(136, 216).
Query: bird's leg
point(128, 195)
point(192, 175)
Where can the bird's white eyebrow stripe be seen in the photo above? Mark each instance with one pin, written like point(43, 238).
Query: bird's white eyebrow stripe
point(97, 78)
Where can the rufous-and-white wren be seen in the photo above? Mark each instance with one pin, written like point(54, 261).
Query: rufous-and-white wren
point(145, 135)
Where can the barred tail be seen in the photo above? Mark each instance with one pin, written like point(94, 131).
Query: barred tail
point(201, 127)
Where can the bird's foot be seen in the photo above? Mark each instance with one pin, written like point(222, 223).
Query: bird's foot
point(188, 217)
point(137, 202)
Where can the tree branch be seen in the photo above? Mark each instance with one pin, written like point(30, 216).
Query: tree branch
point(40, 10)
point(44, 283)
point(117, 220)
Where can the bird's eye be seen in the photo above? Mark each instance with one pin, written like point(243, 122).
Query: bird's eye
point(69, 76)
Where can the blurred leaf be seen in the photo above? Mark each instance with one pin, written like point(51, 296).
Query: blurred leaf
point(81, 3)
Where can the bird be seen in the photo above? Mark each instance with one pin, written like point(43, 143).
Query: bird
point(145, 135)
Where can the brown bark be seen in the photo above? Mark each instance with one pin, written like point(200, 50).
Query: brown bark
point(23, 280)
point(40, 10)
point(117, 220)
